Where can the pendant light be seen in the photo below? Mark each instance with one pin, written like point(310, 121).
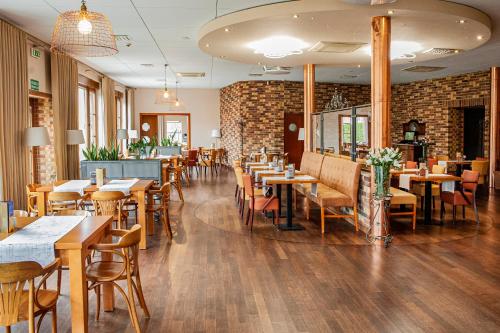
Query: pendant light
point(177, 103)
point(165, 91)
point(83, 33)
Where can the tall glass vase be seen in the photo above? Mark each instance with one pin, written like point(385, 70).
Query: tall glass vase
point(382, 182)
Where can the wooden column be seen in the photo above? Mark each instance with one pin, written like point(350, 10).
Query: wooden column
point(381, 82)
point(495, 123)
point(381, 101)
point(309, 104)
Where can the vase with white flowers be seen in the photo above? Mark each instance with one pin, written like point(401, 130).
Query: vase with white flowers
point(383, 160)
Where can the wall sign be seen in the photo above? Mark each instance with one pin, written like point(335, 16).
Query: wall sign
point(35, 53)
point(34, 85)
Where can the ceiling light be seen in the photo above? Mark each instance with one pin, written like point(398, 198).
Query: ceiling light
point(359, 66)
point(461, 21)
point(226, 30)
point(381, 2)
point(295, 16)
point(165, 90)
point(400, 49)
point(278, 46)
point(207, 45)
point(390, 12)
point(479, 37)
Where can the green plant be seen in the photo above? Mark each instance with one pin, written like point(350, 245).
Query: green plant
point(91, 153)
point(169, 140)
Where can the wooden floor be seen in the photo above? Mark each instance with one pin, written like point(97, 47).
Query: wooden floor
point(216, 276)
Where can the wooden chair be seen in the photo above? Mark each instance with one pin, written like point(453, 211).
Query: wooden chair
point(192, 160)
point(18, 304)
point(411, 165)
point(59, 201)
point(110, 203)
point(400, 197)
point(183, 163)
point(464, 196)
point(240, 190)
point(260, 203)
point(126, 268)
point(419, 188)
point(481, 166)
point(442, 158)
point(74, 212)
point(20, 213)
point(32, 196)
point(210, 162)
point(162, 195)
point(175, 180)
point(220, 157)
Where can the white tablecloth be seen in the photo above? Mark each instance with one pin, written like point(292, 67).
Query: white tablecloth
point(297, 178)
point(446, 186)
point(35, 242)
point(404, 181)
point(122, 185)
point(73, 186)
point(444, 164)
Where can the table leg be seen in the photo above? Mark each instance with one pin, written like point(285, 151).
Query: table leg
point(107, 289)
point(289, 212)
point(428, 203)
point(78, 291)
point(150, 219)
point(41, 203)
point(141, 212)
point(278, 194)
point(458, 170)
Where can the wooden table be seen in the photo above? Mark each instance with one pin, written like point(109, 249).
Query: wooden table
point(460, 164)
point(428, 190)
point(138, 192)
point(282, 180)
point(74, 246)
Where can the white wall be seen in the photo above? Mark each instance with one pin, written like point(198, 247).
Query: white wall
point(202, 104)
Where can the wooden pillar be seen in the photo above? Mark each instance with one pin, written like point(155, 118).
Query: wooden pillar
point(381, 82)
point(494, 123)
point(309, 104)
point(381, 102)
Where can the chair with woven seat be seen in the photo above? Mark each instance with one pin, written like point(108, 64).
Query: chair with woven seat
point(259, 202)
point(464, 196)
point(210, 162)
point(183, 163)
point(123, 266)
point(74, 212)
point(419, 188)
point(110, 203)
point(20, 305)
point(59, 201)
point(32, 196)
point(162, 195)
point(175, 180)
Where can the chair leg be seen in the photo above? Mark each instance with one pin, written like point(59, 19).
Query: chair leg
point(98, 301)
point(140, 295)
point(463, 212)
point(133, 310)
point(414, 217)
point(251, 220)
point(166, 223)
point(356, 218)
point(422, 203)
point(454, 214)
point(248, 217)
point(307, 207)
point(475, 211)
point(236, 191)
point(442, 210)
point(433, 202)
point(322, 220)
point(54, 319)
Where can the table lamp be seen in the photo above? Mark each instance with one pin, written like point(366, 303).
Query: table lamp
point(35, 137)
point(216, 135)
point(121, 134)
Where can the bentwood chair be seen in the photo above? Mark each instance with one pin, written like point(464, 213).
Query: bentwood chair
point(162, 195)
point(32, 196)
point(192, 160)
point(210, 162)
point(175, 178)
point(74, 212)
point(111, 203)
point(18, 304)
point(123, 266)
point(259, 203)
point(183, 163)
point(59, 201)
point(464, 196)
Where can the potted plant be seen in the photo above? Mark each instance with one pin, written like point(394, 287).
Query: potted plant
point(383, 160)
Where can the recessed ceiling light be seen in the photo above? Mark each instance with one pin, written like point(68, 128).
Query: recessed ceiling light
point(456, 51)
point(226, 30)
point(147, 65)
point(461, 21)
point(207, 45)
point(400, 49)
point(223, 57)
point(479, 37)
point(390, 12)
point(186, 37)
point(259, 63)
point(295, 16)
point(276, 47)
point(359, 66)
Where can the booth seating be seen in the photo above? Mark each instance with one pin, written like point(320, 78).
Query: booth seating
point(338, 187)
point(400, 197)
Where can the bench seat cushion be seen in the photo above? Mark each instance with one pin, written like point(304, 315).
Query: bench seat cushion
point(328, 197)
point(400, 197)
point(311, 164)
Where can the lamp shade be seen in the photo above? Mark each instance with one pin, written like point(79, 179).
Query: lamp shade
point(132, 134)
point(121, 134)
point(36, 136)
point(74, 137)
point(216, 133)
point(302, 134)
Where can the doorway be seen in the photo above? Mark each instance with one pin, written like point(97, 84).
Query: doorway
point(474, 132)
point(293, 123)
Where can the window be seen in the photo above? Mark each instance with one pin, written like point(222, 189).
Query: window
point(174, 131)
point(87, 115)
point(362, 131)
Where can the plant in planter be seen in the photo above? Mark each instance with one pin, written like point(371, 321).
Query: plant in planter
point(91, 153)
point(383, 160)
point(169, 141)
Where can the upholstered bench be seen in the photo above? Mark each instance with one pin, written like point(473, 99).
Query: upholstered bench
point(400, 197)
point(310, 165)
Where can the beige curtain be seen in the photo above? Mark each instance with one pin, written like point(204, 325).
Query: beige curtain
point(14, 114)
point(65, 105)
point(108, 97)
point(131, 107)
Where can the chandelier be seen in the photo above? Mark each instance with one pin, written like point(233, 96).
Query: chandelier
point(83, 33)
point(337, 102)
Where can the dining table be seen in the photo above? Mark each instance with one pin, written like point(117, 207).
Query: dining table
point(281, 180)
point(459, 165)
point(73, 248)
point(138, 192)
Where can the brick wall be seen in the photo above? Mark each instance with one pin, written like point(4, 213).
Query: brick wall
point(261, 106)
point(438, 103)
point(44, 163)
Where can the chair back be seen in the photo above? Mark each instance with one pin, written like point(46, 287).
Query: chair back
point(165, 194)
point(58, 201)
point(411, 165)
point(247, 184)
point(481, 166)
point(238, 171)
point(107, 202)
point(236, 163)
point(470, 180)
point(129, 245)
point(73, 212)
point(442, 158)
point(213, 154)
point(193, 155)
point(32, 196)
point(431, 162)
point(438, 169)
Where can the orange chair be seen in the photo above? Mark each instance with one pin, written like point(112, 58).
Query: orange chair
point(431, 161)
point(411, 165)
point(260, 203)
point(466, 196)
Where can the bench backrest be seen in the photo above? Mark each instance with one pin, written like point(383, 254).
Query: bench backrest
point(311, 163)
point(341, 175)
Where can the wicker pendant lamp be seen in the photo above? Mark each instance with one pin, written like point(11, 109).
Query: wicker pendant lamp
point(84, 33)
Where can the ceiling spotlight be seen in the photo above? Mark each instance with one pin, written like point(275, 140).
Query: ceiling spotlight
point(359, 66)
point(390, 12)
point(226, 30)
point(278, 46)
point(479, 37)
point(461, 21)
point(207, 45)
point(456, 51)
point(295, 16)
point(400, 49)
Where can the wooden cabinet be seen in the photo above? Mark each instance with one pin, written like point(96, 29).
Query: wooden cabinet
point(411, 152)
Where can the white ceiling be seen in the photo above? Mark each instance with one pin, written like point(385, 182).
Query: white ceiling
point(175, 25)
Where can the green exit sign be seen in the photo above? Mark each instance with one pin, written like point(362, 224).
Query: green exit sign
point(34, 85)
point(35, 53)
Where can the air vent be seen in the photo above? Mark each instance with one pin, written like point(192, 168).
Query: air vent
point(191, 74)
point(277, 70)
point(122, 38)
point(256, 74)
point(147, 65)
point(442, 51)
point(423, 69)
point(336, 47)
